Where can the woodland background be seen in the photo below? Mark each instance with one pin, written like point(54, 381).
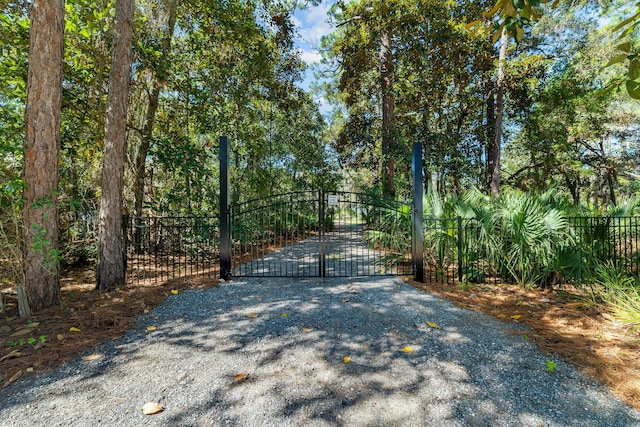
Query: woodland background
point(548, 103)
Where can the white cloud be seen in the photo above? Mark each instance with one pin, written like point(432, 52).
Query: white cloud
point(311, 56)
point(312, 23)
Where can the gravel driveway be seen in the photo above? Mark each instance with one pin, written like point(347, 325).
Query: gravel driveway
point(291, 337)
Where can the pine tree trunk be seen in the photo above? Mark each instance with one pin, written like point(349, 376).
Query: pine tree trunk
point(490, 128)
point(150, 116)
point(497, 146)
point(41, 154)
point(110, 272)
point(388, 120)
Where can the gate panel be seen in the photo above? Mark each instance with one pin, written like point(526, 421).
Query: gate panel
point(366, 235)
point(277, 236)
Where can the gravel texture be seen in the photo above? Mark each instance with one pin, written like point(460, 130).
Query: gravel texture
point(472, 371)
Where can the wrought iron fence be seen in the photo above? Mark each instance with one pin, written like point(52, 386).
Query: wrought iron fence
point(465, 250)
point(455, 249)
point(167, 248)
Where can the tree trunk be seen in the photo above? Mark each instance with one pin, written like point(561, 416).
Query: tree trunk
point(495, 166)
point(149, 121)
point(490, 131)
point(388, 106)
point(110, 272)
point(41, 154)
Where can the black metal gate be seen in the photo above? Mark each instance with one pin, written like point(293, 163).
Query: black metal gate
point(320, 234)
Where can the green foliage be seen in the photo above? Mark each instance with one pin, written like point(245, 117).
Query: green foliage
point(27, 341)
point(551, 366)
point(438, 67)
point(620, 291)
point(531, 234)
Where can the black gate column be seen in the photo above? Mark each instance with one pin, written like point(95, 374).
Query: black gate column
point(417, 221)
point(321, 232)
point(225, 215)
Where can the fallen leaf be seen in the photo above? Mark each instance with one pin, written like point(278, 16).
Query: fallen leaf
point(74, 329)
point(92, 357)
point(12, 354)
point(241, 377)
point(151, 328)
point(501, 316)
point(307, 330)
point(259, 299)
point(345, 300)
point(516, 316)
point(284, 314)
point(251, 315)
point(398, 286)
point(21, 332)
point(576, 304)
point(407, 349)
point(152, 408)
point(60, 337)
point(146, 310)
point(166, 294)
point(346, 359)
point(15, 377)
point(29, 369)
point(433, 325)
point(174, 291)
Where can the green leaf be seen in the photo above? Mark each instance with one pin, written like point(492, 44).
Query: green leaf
point(616, 59)
point(625, 47)
point(625, 22)
point(634, 69)
point(633, 88)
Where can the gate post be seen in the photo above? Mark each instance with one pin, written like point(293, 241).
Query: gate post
point(417, 221)
point(321, 231)
point(225, 215)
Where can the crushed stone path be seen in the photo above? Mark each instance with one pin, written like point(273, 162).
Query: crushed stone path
point(291, 336)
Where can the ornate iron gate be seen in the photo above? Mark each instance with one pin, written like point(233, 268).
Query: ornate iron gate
point(313, 233)
point(319, 234)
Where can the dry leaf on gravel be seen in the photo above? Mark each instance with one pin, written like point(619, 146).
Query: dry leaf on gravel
point(15, 377)
point(151, 328)
point(346, 359)
point(407, 349)
point(152, 408)
point(307, 329)
point(241, 377)
point(92, 357)
point(433, 325)
point(74, 329)
point(251, 315)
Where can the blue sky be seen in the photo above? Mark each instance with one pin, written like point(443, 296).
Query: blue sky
point(312, 25)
